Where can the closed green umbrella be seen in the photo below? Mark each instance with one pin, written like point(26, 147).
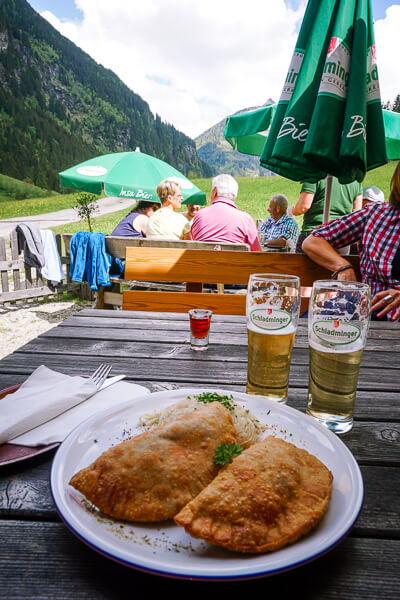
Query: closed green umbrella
point(329, 117)
point(128, 175)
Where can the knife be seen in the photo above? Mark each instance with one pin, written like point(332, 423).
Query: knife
point(110, 381)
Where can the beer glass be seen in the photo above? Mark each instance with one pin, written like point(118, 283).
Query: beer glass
point(272, 310)
point(338, 322)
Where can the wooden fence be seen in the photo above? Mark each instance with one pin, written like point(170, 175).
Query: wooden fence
point(19, 281)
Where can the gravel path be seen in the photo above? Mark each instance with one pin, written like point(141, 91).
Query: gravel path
point(20, 323)
point(105, 205)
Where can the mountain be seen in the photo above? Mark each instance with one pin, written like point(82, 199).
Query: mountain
point(213, 148)
point(58, 107)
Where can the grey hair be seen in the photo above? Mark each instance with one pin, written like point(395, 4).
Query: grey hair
point(281, 200)
point(225, 185)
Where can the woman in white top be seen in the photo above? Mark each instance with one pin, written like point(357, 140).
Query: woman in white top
point(165, 223)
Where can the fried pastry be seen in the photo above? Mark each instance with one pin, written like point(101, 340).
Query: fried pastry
point(153, 475)
point(268, 497)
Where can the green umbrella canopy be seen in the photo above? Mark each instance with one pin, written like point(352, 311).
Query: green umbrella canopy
point(128, 175)
point(247, 132)
point(329, 118)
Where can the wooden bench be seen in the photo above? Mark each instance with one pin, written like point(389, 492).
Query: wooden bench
point(199, 267)
point(116, 247)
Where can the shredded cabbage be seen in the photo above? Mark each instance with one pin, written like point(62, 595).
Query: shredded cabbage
point(248, 428)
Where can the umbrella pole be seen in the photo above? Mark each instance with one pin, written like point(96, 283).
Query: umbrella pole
point(328, 194)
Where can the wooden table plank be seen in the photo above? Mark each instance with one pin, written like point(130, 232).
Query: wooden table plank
point(149, 348)
point(65, 568)
point(179, 370)
point(152, 349)
point(384, 407)
point(221, 332)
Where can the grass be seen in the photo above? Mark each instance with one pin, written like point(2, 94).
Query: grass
point(34, 206)
point(14, 188)
point(21, 199)
point(105, 223)
point(254, 196)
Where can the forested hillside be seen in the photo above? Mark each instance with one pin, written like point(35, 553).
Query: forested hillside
point(59, 107)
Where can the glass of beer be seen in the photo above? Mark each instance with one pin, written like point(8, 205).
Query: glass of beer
point(272, 310)
point(338, 322)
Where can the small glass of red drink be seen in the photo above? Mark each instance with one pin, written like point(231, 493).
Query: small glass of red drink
point(200, 328)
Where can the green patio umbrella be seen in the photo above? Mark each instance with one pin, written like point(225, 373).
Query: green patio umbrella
point(329, 117)
point(247, 132)
point(128, 175)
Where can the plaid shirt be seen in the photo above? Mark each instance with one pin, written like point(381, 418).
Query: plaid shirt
point(377, 228)
point(286, 227)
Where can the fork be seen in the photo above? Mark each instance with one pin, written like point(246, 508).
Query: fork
point(100, 374)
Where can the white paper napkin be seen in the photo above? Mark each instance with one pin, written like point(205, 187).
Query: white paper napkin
point(43, 396)
point(58, 428)
point(48, 405)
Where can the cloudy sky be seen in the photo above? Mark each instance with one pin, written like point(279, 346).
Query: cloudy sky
point(197, 61)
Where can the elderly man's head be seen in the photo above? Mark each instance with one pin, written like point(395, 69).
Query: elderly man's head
point(278, 206)
point(169, 192)
point(224, 185)
point(372, 194)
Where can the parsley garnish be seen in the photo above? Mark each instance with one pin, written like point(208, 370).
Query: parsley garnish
point(207, 397)
point(225, 452)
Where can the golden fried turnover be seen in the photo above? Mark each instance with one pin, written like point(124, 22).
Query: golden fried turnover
point(153, 475)
point(268, 497)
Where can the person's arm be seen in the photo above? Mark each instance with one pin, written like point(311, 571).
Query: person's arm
point(252, 236)
point(357, 203)
point(140, 224)
point(321, 252)
point(186, 235)
point(303, 204)
point(278, 242)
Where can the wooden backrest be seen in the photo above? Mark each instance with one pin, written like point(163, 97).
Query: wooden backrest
point(116, 245)
point(176, 265)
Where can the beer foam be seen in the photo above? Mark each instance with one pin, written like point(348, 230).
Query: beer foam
point(284, 331)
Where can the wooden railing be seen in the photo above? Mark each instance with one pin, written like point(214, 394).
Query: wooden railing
point(19, 281)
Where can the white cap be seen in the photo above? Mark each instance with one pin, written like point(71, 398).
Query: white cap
point(373, 194)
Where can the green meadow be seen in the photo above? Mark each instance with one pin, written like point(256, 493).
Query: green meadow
point(254, 196)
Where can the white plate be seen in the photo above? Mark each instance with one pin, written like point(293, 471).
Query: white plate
point(164, 548)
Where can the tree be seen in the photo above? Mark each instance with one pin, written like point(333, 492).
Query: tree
point(86, 205)
point(396, 104)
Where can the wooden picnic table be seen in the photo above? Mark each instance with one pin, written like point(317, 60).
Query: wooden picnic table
point(41, 558)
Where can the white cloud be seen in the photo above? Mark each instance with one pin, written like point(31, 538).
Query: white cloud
point(193, 62)
point(196, 62)
point(387, 40)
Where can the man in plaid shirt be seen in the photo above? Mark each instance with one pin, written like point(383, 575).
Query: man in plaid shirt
point(280, 229)
point(377, 229)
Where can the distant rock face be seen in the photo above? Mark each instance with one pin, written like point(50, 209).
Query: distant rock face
point(3, 40)
point(214, 150)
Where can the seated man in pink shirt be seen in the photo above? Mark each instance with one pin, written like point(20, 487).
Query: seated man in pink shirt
point(223, 221)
